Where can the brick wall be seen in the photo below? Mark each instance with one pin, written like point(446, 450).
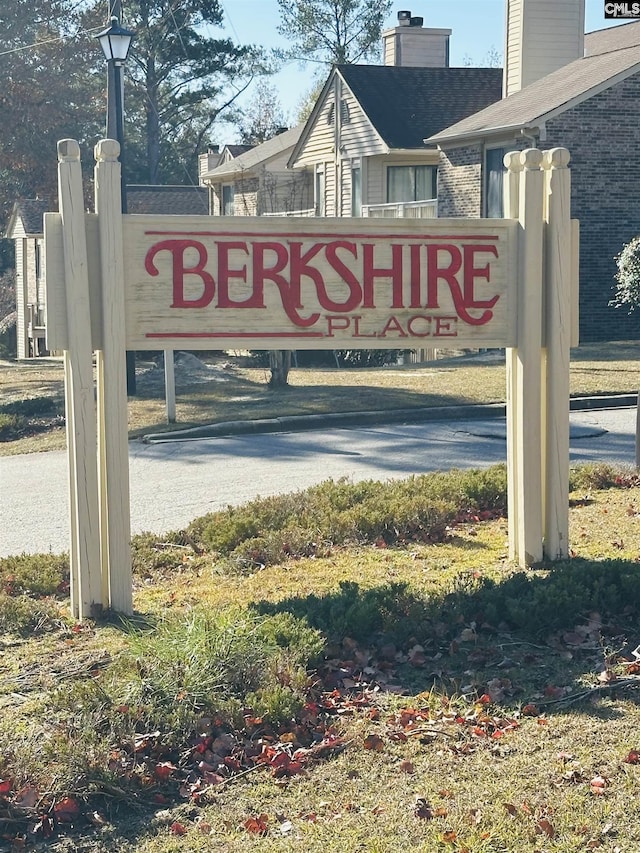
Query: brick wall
point(459, 182)
point(603, 138)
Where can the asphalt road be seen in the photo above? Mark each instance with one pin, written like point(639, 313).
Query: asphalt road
point(175, 482)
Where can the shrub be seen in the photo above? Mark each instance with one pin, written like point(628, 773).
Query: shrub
point(627, 288)
point(306, 523)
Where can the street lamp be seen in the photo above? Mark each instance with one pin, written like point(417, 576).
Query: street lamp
point(115, 42)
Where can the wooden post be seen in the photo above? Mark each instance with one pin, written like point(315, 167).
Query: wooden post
point(528, 400)
point(113, 451)
point(170, 386)
point(558, 273)
point(511, 211)
point(81, 411)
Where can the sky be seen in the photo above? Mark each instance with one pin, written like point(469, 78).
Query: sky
point(477, 28)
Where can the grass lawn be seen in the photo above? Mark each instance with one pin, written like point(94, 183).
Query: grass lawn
point(228, 391)
point(353, 668)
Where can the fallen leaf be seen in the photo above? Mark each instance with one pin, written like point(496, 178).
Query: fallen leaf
point(178, 828)
point(374, 742)
point(545, 827)
point(513, 811)
point(67, 810)
point(632, 758)
point(257, 825)
point(5, 785)
point(598, 784)
point(163, 770)
point(450, 837)
point(406, 766)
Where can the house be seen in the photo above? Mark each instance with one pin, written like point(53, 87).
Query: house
point(561, 89)
point(26, 228)
point(256, 181)
point(364, 139)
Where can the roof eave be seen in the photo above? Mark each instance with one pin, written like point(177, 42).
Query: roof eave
point(457, 140)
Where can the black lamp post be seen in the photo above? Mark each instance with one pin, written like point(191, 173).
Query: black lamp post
point(115, 42)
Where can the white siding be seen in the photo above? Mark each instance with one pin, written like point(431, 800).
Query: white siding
point(542, 36)
point(357, 136)
point(320, 142)
point(21, 301)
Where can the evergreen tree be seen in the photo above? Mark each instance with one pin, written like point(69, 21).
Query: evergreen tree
point(333, 31)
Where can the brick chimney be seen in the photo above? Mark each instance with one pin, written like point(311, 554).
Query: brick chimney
point(540, 37)
point(411, 44)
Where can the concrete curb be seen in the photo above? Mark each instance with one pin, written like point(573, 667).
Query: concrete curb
point(296, 423)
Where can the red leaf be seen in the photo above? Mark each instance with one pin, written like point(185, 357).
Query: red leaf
point(5, 785)
point(67, 810)
point(406, 766)
point(178, 828)
point(258, 825)
point(632, 758)
point(164, 769)
point(544, 827)
point(374, 742)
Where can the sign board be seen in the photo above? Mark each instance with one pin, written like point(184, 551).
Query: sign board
point(119, 282)
point(201, 282)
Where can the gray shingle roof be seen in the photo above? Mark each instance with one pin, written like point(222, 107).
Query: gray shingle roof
point(257, 155)
point(612, 54)
point(405, 105)
point(31, 212)
point(185, 201)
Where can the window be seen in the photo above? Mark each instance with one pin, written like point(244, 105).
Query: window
point(356, 191)
point(494, 182)
point(412, 183)
point(319, 193)
point(227, 200)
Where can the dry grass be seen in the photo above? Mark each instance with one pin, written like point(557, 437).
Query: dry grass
point(445, 788)
point(233, 392)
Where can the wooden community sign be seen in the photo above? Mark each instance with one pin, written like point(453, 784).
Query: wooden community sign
point(118, 282)
point(203, 282)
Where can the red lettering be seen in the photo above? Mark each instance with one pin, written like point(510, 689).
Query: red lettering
point(178, 249)
point(356, 328)
point(471, 273)
point(416, 288)
point(225, 274)
point(411, 329)
point(449, 273)
point(370, 272)
point(393, 325)
point(337, 323)
point(289, 290)
point(355, 291)
point(443, 327)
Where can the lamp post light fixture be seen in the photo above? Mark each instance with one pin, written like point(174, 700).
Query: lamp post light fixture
point(115, 42)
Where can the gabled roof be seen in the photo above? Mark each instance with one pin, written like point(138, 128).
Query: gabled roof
point(401, 102)
point(236, 150)
point(612, 55)
point(167, 200)
point(30, 211)
point(255, 157)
